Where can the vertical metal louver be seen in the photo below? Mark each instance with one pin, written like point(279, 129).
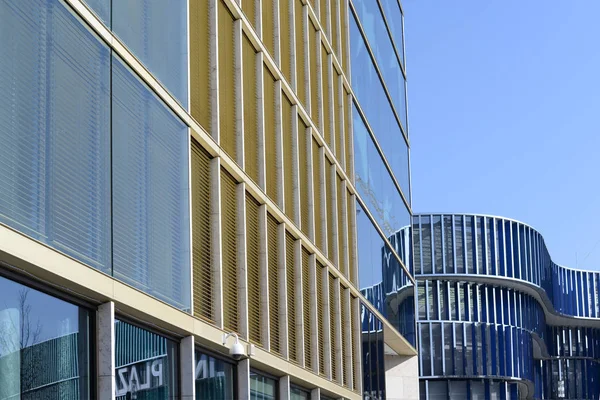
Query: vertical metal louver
point(306, 297)
point(203, 284)
point(333, 328)
point(200, 70)
point(346, 368)
point(321, 321)
point(355, 330)
point(268, 25)
point(251, 155)
point(229, 227)
point(304, 148)
point(336, 136)
point(291, 297)
point(287, 116)
point(318, 193)
point(301, 64)
point(348, 131)
point(334, 32)
point(270, 135)
point(286, 8)
point(341, 228)
point(330, 192)
point(251, 9)
point(350, 218)
point(255, 317)
point(227, 81)
point(326, 95)
point(273, 275)
point(314, 47)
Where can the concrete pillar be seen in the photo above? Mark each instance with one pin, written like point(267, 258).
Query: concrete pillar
point(243, 379)
point(315, 394)
point(284, 388)
point(105, 334)
point(186, 367)
point(401, 377)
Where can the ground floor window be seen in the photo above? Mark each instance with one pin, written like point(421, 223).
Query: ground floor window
point(44, 345)
point(214, 378)
point(262, 387)
point(146, 364)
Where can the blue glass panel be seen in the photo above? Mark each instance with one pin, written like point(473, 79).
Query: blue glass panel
point(395, 21)
point(374, 183)
point(377, 108)
point(150, 197)
point(54, 130)
point(101, 8)
point(156, 33)
point(380, 42)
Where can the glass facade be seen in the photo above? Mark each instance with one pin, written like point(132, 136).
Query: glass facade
point(156, 32)
point(44, 346)
point(214, 378)
point(262, 387)
point(487, 289)
point(94, 164)
point(372, 356)
point(147, 364)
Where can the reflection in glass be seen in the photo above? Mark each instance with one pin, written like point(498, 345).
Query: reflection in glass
point(146, 364)
point(372, 356)
point(299, 394)
point(214, 378)
point(44, 346)
point(262, 387)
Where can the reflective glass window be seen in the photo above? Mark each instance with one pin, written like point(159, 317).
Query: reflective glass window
point(395, 21)
point(214, 378)
point(262, 387)
point(156, 33)
point(374, 183)
point(378, 110)
point(150, 192)
point(297, 393)
point(146, 364)
point(369, 14)
point(426, 253)
point(438, 390)
point(44, 345)
point(55, 130)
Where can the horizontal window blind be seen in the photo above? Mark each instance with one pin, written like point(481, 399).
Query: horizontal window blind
point(320, 318)
point(286, 9)
point(333, 328)
point(304, 149)
point(255, 317)
point(150, 191)
point(252, 160)
point(289, 157)
point(229, 251)
point(318, 193)
point(273, 275)
point(306, 299)
point(301, 62)
point(271, 141)
point(204, 285)
point(55, 130)
point(227, 82)
point(291, 297)
point(314, 48)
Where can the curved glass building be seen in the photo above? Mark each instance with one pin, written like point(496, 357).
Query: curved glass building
point(496, 317)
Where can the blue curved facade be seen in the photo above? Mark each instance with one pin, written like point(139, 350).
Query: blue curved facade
point(496, 317)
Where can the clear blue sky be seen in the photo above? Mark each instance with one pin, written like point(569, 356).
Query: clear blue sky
point(504, 109)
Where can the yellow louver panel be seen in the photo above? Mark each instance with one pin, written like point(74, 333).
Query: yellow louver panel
point(315, 7)
point(202, 233)
point(314, 74)
point(318, 193)
point(325, 76)
point(333, 5)
point(227, 81)
point(330, 188)
point(255, 317)
point(250, 9)
point(333, 328)
point(351, 236)
point(251, 158)
point(345, 333)
point(288, 156)
point(354, 331)
point(348, 132)
point(270, 135)
point(321, 321)
point(285, 9)
point(301, 87)
point(268, 25)
point(229, 224)
point(340, 220)
point(304, 148)
point(339, 146)
point(291, 297)
point(200, 56)
point(306, 297)
point(344, 32)
point(273, 272)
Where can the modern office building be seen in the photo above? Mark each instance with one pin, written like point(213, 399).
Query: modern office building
point(497, 318)
point(175, 171)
